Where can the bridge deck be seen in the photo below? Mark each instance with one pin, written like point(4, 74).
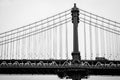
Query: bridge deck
point(60, 67)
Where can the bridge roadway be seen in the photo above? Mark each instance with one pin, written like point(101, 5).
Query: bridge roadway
point(62, 68)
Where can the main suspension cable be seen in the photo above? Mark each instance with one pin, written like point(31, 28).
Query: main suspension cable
point(99, 16)
point(35, 31)
point(35, 22)
point(33, 26)
point(102, 26)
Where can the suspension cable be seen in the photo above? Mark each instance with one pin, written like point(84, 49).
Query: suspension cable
point(100, 27)
point(100, 20)
point(99, 16)
point(38, 30)
point(35, 22)
point(33, 26)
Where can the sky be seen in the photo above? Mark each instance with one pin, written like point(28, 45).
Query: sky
point(17, 13)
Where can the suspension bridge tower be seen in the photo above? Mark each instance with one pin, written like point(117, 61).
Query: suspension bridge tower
point(76, 53)
point(75, 20)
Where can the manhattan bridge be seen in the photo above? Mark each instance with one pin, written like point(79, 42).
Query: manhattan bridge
point(73, 44)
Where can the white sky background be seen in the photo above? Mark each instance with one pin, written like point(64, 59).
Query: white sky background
point(16, 13)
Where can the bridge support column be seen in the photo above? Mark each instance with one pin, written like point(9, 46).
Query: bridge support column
point(75, 20)
point(76, 77)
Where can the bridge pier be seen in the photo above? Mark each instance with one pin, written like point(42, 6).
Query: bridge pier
point(76, 77)
point(75, 20)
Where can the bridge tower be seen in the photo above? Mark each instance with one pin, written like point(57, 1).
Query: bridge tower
point(75, 20)
point(75, 54)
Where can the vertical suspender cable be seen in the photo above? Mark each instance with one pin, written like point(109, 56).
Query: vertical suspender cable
point(85, 39)
point(106, 43)
point(12, 52)
point(39, 46)
point(110, 38)
point(54, 40)
point(35, 45)
point(5, 50)
point(114, 42)
point(23, 52)
point(1, 49)
point(29, 44)
point(112, 45)
point(41, 49)
point(42, 54)
point(5, 47)
point(90, 30)
point(48, 48)
point(16, 46)
point(50, 42)
point(109, 44)
point(103, 48)
point(44, 40)
point(96, 40)
point(11, 47)
point(20, 47)
point(43, 43)
point(2, 52)
point(116, 46)
point(32, 51)
point(60, 34)
point(46, 45)
point(66, 36)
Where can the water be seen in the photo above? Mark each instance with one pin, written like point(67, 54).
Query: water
point(52, 77)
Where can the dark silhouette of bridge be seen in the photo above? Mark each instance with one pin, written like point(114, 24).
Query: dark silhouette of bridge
point(43, 47)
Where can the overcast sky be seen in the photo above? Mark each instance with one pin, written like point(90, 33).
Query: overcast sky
point(16, 13)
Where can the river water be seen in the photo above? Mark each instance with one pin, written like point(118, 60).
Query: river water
point(52, 77)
